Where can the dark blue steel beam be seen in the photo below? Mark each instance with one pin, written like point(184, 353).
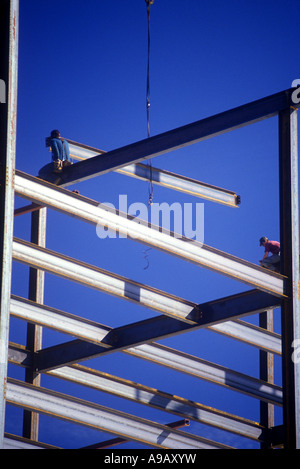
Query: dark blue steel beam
point(156, 328)
point(177, 138)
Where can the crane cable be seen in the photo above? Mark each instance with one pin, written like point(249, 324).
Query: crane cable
point(149, 163)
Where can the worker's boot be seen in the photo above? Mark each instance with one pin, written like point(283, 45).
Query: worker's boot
point(66, 163)
point(58, 166)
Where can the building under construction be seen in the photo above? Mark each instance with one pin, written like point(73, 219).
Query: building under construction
point(265, 290)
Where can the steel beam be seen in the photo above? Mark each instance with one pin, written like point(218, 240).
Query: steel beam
point(27, 209)
point(160, 326)
point(186, 364)
point(102, 418)
point(19, 355)
point(103, 280)
point(118, 441)
point(145, 395)
point(175, 244)
point(9, 34)
point(163, 178)
point(203, 369)
point(178, 138)
point(109, 340)
point(113, 284)
point(289, 239)
point(253, 335)
point(182, 184)
point(17, 442)
point(66, 323)
point(150, 329)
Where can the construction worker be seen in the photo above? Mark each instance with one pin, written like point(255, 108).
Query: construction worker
point(271, 247)
point(60, 151)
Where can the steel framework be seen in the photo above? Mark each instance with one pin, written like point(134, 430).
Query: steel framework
point(176, 315)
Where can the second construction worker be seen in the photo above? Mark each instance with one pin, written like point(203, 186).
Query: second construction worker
point(271, 247)
point(60, 151)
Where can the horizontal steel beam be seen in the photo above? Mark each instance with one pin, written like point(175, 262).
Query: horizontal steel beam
point(109, 340)
point(27, 209)
point(162, 177)
point(30, 257)
point(118, 441)
point(102, 418)
point(213, 315)
point(186, 364)
point(103, 280)
point(145, 395)
point(66, 323)
point(182, 184)
point(203, 369)
point(188, 249)
point(20, 355)
point(18, 442)
point(160, 400)
point(188, 134)
point(251, 334)
point(116, 285)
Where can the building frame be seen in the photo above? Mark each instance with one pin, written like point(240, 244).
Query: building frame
point(269, 290)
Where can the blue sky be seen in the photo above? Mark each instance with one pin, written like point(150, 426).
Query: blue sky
point(82, 69)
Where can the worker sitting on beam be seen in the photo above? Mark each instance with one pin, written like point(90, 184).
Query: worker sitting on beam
point(60, 151)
